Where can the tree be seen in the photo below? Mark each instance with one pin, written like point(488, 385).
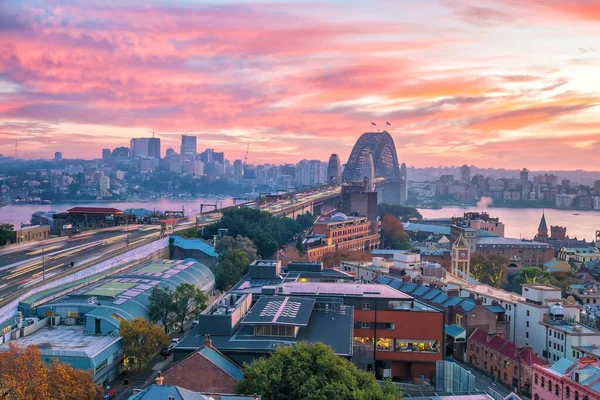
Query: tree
point(299, 245)
point(161, 307)
point(141, 339)
point(310, 371)
point(531, 275)
point(188, 301)
point(490, 270)
point(24, 376)
point(305, 220)
point(7, 233)
point(393, 233)
point(335, 258)
point(233, 265)
point(401, 212)
point(238, 243)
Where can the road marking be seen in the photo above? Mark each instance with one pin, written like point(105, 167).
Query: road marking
point(40, 251)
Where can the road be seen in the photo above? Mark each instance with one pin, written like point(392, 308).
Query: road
point(25, 265)
point(484, 383)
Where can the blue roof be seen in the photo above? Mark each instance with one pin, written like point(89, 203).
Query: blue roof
point(421, 290)
point(222, 362)
point(452, 301)
point(453, 330)
point(383, 280)
point(164, 392)
point(467, 305)
point(440, 298)
point(395, 283)
point(413, 227)
point(495, 308)
point(195, 244)
point(408, 287)
point(431, 294)
point(561, 366)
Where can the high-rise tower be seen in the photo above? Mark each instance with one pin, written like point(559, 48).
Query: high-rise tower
point(334, 170)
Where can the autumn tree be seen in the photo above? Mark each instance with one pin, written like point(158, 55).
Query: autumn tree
point(233, 265)
point(490, 270)
point(141, 339)
point(24, 376)
point(531, 275)
point(161, 307)
point(238, 243)
point(188, 301)
point(311, 371)
point(393, 233)
point(335, 258)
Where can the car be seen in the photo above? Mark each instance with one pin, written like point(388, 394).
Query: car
point(166, 350)
point(174, 341)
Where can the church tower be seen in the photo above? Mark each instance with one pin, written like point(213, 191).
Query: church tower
point(461, 258)
point(543, 228)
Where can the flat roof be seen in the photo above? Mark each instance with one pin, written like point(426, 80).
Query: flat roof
point(571, 328)
point(333, 328)
point(485, 290)
point(487, 241)
point(268, 310)
point(350, 289)
point(65, 340)
point(541, 286)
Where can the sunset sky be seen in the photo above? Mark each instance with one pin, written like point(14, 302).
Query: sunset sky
point(493, 83)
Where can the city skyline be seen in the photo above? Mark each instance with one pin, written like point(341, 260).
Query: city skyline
point(476, 87)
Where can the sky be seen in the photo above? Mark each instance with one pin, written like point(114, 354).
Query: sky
point(491, 83)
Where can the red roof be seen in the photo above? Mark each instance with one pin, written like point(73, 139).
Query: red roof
point(505, 347)
point(530, 358)
point(94, 210)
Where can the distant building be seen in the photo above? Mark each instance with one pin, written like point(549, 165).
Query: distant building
point(104, 183)
point(524, 176)
point(367, 170)
point(341, 232)
point(87, 218)
point(464, 174)
point(564, 200)
point(480, 221)
point(238, 170)
point(139, 147)
point(357, 200)
point(169, 152)
point(188, 146)
point(334, 170)
point(106, 155)
point(121, 153)
point(403, 184)
point(58, 156)
point(32, 233)
point(461, 259)
point(154, 148)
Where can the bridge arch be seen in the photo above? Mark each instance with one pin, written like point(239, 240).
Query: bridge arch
point(385, 160)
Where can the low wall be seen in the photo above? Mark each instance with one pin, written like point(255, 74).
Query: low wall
point(7, 311)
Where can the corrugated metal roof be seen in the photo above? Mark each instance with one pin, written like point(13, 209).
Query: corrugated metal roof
point(195, 244)
point(495, 308)
point(454, 330)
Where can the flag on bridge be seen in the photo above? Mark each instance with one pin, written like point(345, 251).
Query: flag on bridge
point(388, 124)
point(373, 124)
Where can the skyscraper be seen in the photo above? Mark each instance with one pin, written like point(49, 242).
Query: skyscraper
point(334, 170)
point(106, 155)
point(58, 156)
point(139, 147)
point(403, 184)
point(367, 170)
point(154, 148)
point(524, 176)
point(465, 174)
point(237, 170)
point(188, 145)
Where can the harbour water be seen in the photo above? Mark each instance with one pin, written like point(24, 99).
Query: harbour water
point(15, 214)
point(524, 222)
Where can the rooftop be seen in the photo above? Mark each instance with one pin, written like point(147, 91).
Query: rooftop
point(485, 290)
point(293, 311)
point(343, 289)
point(94, 210)
point(65, 340)
point(490, 241)
point(154, 392)
point(195, 244)
point(574, 328)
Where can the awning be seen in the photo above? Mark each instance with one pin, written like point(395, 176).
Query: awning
point(455, 331)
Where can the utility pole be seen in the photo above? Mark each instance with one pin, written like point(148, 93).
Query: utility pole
point(43, 263)
point(202, 205)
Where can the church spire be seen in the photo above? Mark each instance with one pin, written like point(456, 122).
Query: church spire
point(543, 228)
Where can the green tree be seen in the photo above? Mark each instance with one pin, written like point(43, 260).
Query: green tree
point(311, 371)
point(238, 243)
point(401, 212)
point(490, 270)
point(161, 307)
point(531, 275)
point(141, 339)
point(305, 220)
point(299, 245)
point(477, 266)
point(7, 233)
point(188, 301)
point(233, 265)
point(393, 233)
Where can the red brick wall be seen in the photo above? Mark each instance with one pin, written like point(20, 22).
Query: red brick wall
point(197, 374)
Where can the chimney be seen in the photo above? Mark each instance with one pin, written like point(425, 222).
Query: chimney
point(207, 341)
point(479, 301)
point(159, 379)
point(452, 292)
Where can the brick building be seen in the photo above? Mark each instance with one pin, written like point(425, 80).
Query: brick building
point(502, 359)
point(341, 232)
point(205, 370)
point(568, 380)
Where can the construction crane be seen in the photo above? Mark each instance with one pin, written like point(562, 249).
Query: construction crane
point(246, 156)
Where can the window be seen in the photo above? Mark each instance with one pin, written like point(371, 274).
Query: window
point(543, 382)
point(366, 306)
point(365, 325)
point(568, 392)
point(505, 376)
point(459, 320)
point(527, 324)
point(550, 386)
point(536, 379)
point(385, 344)
point(556, 390)
point(526, 335)
point(414, 345)
point(528, 313)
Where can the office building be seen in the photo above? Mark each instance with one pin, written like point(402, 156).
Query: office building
point(334, 170)
point(367, 170)
point(464, 174)
point(238, 170)
point(480, 221)
point(58, 156)
point(356, 200)
point(524, 176)
point(106, 155)
point(154, 148)
point(139, 147)
point(104, 183)
point(188, 145)
point(121, 153)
